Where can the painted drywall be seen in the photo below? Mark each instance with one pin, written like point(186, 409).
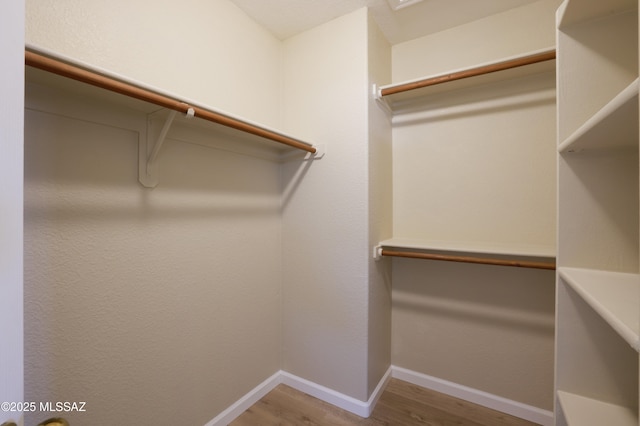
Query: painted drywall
point(514, 32)
point(325, 234)
point(11, 199)
point(146, 304)
point(159, 305)
point(477, 165)
point(380, 208)
point(128, 286)
point(208, 51)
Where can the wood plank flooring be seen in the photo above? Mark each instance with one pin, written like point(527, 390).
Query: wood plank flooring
point(401, 404)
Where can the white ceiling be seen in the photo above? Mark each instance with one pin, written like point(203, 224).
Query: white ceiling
point(285, 18)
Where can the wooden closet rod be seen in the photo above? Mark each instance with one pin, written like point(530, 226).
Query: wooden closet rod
point(80, 74)
point(472, 72)
point(469, 259)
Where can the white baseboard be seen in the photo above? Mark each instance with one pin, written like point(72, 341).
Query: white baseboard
point(360, 408)
point(240, 406)
point(365, 408)
point(355, 406)
point(508, 406)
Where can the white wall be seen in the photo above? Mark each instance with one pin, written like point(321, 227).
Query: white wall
point(137, 297)
point(150, 304)
point(11, 169)
point(380, 208)
point(510, 33)
point(326, 230)
point(208, 51)
point(477, 166)
point(233, 267)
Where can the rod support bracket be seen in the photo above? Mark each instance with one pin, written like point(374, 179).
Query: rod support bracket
point(321, 150)
point(377, 253)
point(149, 147)
point(376, 94)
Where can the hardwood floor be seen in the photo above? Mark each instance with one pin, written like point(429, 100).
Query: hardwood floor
point(400, 404)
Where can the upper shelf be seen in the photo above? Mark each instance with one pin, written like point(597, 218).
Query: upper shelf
point(577, 11)
point(513, 67)
point(615, 125)
point(110, 82)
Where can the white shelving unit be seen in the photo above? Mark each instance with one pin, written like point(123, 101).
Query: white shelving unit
point(598, 284)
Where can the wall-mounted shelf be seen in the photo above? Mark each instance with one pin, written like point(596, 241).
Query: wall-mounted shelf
point(480, 253)
point(613, 295)
point(577, 12)
point(620, 113)
point(64, 74)
point(519, 66)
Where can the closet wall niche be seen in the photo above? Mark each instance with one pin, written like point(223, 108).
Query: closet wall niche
point(474, 177)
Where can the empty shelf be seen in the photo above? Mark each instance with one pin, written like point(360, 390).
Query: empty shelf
point(577, 12)
point(582, 411)
point(615, 296)
point(614, 125)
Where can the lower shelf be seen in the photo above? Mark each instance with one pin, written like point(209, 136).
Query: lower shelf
point(583, 411)
point(523, 250)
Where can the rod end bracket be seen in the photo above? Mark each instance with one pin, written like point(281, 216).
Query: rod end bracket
point(377, 253)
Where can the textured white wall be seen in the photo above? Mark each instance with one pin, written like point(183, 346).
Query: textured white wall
point(486, 327)
point(325, 310)
point(89, 225)
point(11, 197)
point(208, 51)
point(477, 165)
point(158, 305)
point(146, 304)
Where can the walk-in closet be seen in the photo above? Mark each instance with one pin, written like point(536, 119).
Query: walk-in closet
point(207, 199)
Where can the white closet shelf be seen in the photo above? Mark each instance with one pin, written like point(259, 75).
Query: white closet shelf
point(468, 252)
point(583, 411)
point(67, 74)
point(513, 67)
point(615, 296)
point(614, 126)
point(576, 12)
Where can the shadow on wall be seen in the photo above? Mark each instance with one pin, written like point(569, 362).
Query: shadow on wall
point(494, 295)
point(518, 93)
point(490, 328)
point(135, 296)
point(92, 170)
